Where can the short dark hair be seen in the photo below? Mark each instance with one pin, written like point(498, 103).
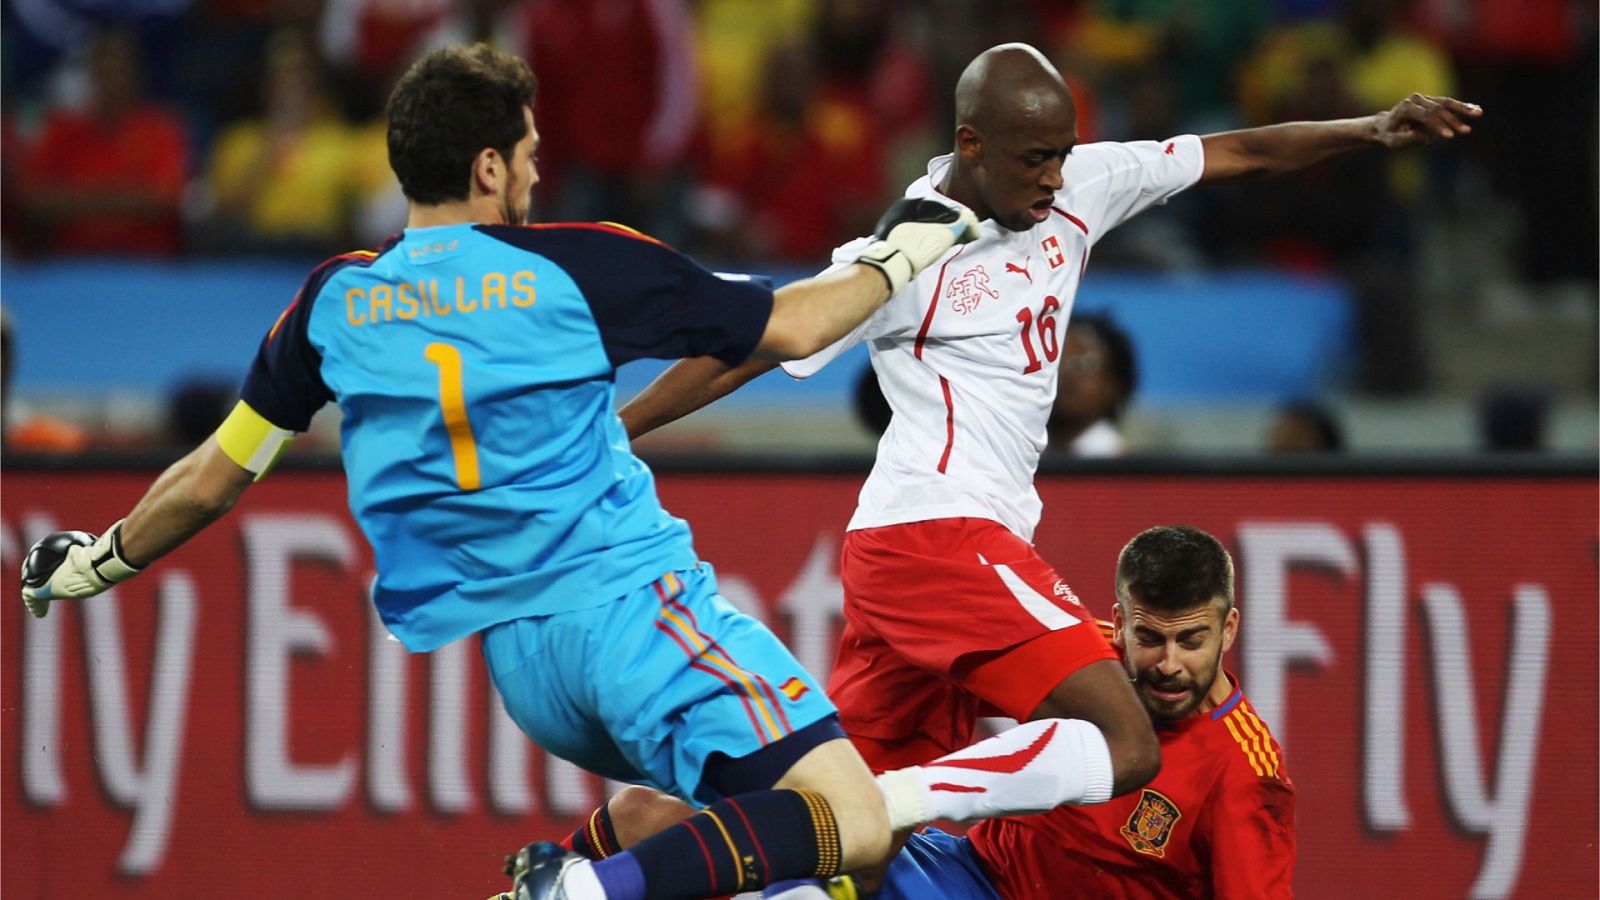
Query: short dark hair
point(1173, 568)
point(1121, 365)
point(446, 109)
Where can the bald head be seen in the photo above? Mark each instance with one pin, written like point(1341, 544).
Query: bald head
point(1015, 125)
point(1010, 86)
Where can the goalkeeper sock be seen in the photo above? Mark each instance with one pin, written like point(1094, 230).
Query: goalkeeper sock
point(596, 838)
point(738, 843)
point(1033, 767)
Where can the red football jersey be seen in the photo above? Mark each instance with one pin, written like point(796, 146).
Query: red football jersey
point(1218, 821)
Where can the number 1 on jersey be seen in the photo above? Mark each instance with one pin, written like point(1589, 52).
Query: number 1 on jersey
point(453, 404)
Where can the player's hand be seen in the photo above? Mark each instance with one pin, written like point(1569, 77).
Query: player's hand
point(1423, 119)
point(914, 233)
point(72, 565)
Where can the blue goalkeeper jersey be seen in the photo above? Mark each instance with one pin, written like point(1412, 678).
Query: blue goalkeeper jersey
point(474, 366)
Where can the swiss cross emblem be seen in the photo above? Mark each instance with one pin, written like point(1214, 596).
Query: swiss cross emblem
point(1052, 252)
point(968, 291)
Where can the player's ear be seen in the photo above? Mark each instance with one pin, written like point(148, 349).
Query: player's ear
point(969, 143)
point(1230, 628)
point(488, 169)
point(1117, 639)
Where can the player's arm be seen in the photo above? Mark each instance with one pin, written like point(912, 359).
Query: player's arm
point(191, 494)
point(194, 491)
point(685, 387)
point(811, 314)
point(1252, 839)
point(806, 317)
point(1278, 149)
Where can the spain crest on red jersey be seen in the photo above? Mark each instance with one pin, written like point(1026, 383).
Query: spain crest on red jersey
point(1150, 826)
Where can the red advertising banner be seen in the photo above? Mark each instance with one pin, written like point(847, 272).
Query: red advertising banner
point(234, 721)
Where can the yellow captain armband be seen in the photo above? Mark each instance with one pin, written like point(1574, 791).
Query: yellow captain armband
point(251, 441)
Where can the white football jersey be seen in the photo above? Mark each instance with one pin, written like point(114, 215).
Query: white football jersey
point(967, 352)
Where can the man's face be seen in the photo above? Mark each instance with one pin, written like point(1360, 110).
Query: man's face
point(516, 199)
point(1172, 658)
point(1086, 391)
point(1017, 166)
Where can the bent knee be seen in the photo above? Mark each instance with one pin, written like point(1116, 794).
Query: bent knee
point(639, 812)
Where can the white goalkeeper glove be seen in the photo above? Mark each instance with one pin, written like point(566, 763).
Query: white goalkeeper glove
point(913, 234)
point(73, 565)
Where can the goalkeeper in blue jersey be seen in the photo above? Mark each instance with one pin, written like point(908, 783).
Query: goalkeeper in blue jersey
point(473, 357)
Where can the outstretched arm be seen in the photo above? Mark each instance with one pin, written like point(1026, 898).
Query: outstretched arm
point(809, 315)
point(191, 494)
point(1278, 149)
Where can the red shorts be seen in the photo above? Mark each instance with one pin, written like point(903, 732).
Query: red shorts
point(946, 620)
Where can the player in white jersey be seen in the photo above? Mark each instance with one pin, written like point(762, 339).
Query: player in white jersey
point(949, 612)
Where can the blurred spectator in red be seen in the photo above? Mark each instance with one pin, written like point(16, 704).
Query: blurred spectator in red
point(108, 178)
point(805, 174)
point(616, 83)
point(290, 178)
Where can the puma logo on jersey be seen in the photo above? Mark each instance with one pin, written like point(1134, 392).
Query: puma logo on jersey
point(1022, 269)
point(967, 291)
point(1171, 148)
point(1052, 252)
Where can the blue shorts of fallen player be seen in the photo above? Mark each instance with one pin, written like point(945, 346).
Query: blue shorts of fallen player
point(934, 865)
point(652, 687)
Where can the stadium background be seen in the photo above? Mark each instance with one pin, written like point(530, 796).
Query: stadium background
point(1419, 612)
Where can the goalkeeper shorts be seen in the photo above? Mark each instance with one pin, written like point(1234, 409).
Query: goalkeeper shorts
point(648, 688)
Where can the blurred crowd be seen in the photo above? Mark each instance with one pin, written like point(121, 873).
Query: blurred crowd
point(764, 132)
point(770, 130)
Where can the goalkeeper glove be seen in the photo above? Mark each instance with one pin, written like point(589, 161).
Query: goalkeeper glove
point(73, 565)
point(914, 233)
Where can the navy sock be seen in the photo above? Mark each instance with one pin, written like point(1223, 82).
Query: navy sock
point(595, 839)
point(736, 844)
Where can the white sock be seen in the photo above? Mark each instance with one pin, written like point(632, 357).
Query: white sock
point(581, 883)
point(1031, 768)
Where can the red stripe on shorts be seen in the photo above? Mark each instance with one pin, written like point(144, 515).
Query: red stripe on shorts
point(695, 663)
point(713, 646)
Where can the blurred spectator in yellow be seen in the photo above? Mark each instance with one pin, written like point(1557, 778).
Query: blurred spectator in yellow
point(1304, 427)
point(291, 178)
point(733, 39)
point(617, 83)
point(108, 178)
point(805, 173)
point(1098, 376)
point(21, 429)
point(1376, 56)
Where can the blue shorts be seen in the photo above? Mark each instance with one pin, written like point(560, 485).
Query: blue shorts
point(936, 866)
point(648, 688)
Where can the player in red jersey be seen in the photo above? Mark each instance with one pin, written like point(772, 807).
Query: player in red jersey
point(1218, 821)
point(948, 607)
